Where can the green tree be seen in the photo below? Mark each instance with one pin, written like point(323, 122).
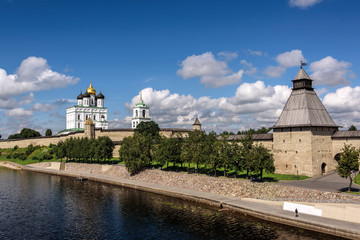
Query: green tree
point(263, 160)
point(60, 150)
point(48, 132)
point(148, 129)
point(246, 153)
point(194, 148)
point(134, 151)
point(352, 128)
point(25, 133)
point(348, 163)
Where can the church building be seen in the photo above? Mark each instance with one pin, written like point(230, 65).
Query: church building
point(89, 105)
point(140, 113)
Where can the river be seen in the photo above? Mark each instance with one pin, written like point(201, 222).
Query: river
point(41, 206)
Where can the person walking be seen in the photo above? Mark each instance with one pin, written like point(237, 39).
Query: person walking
point(296, 212)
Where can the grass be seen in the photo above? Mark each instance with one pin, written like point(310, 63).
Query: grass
point(357, 179)
point(268, 177)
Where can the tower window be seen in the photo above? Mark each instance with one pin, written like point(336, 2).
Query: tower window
point(78, 116)
point(94, 117)
point(136, 113)
point(144, 113)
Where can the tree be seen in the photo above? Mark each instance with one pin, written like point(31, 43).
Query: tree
point(48, 132)
point(352, 128)
point(348, 163)
point(194, 148)
point(134, 151)
point(25, 133)
point(251, 131)
point(264, 160)
point(148, 128)
point(247, 154)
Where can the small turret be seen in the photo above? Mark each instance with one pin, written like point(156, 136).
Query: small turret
point(89, 129)
point(197, 124)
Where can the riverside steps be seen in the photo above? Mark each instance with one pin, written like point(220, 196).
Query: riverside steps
point(260, 209)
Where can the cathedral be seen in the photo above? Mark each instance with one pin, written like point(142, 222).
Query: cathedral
point(89, 105)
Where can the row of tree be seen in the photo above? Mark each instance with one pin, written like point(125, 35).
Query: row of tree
point(28, 133)
point(84, 149)
point(147, 146)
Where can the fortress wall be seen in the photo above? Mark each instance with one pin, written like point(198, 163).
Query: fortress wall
point(116, 135)
point(293, 152)
point(338, 144)
point(322, 152)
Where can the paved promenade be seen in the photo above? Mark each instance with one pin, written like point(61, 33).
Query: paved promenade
point(270, 212)
point(331, 183)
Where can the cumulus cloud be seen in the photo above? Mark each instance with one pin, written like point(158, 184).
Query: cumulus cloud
point(330, 71)
point(303, 3)
point(343, 105)
point(24, 100)
point(244, 108)
point(285, 60)
point(255, 53)
point(8, 103)
point(39, 107)
point(228, 56)
point(212, 73)
point(18, 112)
point(249, 68)
point(34, 74)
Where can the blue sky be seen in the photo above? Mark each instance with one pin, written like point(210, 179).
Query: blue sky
point(229, 62)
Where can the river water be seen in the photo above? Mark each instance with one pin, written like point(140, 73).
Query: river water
point(40, 206)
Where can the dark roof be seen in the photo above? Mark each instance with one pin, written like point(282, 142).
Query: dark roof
point(304, 108)
point(100, 96)
point(256, 137)
point(86, 94)
point(80, 96)
point(346, 134)
point(197, 122)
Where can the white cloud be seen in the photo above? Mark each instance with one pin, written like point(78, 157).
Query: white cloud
point(285, 60)
point(24, 100)
point(303, 3)
point(212, 73)
point(256, 53)
point(18, 112)
point(44, 107)
point(228, 56)
point(249, 68)
point(34, 74)
point(343, 106)
point(330, 71)
point(245, 108)
point(8, 103)
point(272, 71)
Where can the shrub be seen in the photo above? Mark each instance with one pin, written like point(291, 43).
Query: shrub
point(16, 147)
point(46, 156)
point(8, 156)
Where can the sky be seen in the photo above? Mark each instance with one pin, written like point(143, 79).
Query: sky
point(228, 62)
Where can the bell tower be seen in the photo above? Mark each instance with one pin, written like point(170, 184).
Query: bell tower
point(140, 113)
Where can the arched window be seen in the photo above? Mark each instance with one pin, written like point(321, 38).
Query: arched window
point(78, 116)
point(87, 117)
point(144, 113)
point(94, 117)
point(136, 113)
point(102, 117)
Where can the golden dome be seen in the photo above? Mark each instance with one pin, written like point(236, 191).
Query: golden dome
point(91, 90)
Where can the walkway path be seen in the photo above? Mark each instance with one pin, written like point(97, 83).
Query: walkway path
point(331, 183)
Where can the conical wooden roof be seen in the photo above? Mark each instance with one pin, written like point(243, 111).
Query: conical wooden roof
point(304, 108)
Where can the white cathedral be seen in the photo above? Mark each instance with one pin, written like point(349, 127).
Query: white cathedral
point(89, 105)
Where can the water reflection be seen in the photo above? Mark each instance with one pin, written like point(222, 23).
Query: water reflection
point(38, 206)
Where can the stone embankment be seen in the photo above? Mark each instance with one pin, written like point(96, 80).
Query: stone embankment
point(219, 185)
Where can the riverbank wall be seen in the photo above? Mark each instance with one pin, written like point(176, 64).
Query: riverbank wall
point(217, 193)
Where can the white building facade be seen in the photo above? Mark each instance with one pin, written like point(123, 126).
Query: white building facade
point(140, 113)
point(89, 105)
